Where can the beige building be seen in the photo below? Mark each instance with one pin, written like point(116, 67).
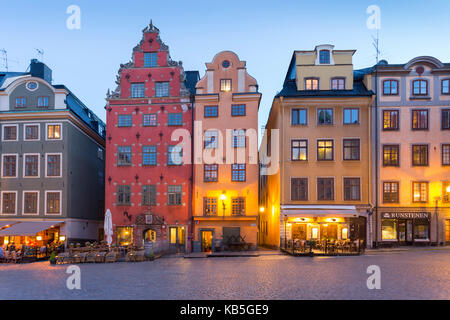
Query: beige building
point(322, 188)
point(225, 196)
point(413, 142)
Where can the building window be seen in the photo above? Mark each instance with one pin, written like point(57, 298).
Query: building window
point(238, 206)
point(21, 102)
point(445, 86)
point(390, 120)
point(445, 119)
point(175, 119)
point(299, 150)
point(124, 120)
point(149, 195)
point(351, 116)
point(298, 117)
point(211, 111)
point(149, 155)
point(149, 120)
point(338, 84)
point(9, 165)
point(238, 110)
point(445, 193)
point(210, 172)
point(210, 139)
point(299, 189)
point(325, 188)
point(209, 206)
point(351, 149)
point(390, 192)
point(53, 165)
point(389, 229)
point(420, 191)
point(124, 236)
point(324, 56)
point(420, 155)
point(325, 150)
point(162, 89)
point(174, 155)
point(311, 84)
point(421, 230)
point(124, 156)
point(8, 202)
point(445, 154)
point(123, 196)
point(325, 116)
point(30, 202)
point(352, 190)
point(420, 119)
point(420, 87)
point(31, 165)
point(42, 102)
point(138, 90)
point(390, 87)
point(53, 202)
point(150, 59)
point(238, 138)
point(100, 153)
point(391, 155)
point(31, 132)
point(238, 172)
point(53, 132)
point(10, 133)
point(225, 85)
point(174, 195)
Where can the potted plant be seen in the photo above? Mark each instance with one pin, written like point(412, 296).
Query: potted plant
point(52, 258)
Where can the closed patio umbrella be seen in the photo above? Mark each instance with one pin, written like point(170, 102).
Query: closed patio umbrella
point(108, 227)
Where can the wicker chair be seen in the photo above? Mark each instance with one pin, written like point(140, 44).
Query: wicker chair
point(131, 256)
point(100, 257)
point(90, 256)
point(7, 256)
point(62, 258)
point(111, 256)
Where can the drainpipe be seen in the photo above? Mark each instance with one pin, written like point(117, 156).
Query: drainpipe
point(376, 155)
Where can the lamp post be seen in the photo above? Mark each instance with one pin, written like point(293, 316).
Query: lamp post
point(223, 197)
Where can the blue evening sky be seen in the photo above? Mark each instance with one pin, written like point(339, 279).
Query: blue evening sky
point(263, 33)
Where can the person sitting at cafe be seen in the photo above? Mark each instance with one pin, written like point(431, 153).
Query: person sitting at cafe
point(2, 255)
point(12, 247)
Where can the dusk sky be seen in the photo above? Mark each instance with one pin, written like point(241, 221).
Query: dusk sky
point(263, 33)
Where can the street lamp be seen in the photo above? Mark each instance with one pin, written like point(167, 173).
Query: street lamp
point(223, 197)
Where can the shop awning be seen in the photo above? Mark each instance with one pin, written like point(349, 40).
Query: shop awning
point(321, 211)
point(5, 223)
point(28, 228)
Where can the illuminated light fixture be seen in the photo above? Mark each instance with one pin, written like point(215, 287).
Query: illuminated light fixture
point(325, 225)
point(261, 209)
point(273, 210)
point(7, 226)
point(344, 233)
point(126, 232)
point(6, 241)
point(62, 238)
point(315, 233)
point(448, 189)
point(223, 197)
point(39, 238)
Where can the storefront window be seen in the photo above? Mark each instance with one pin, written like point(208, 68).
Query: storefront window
point(421, 230)
point(344, 233)
point(314, 233)
point(124, 236)
point(389, 229)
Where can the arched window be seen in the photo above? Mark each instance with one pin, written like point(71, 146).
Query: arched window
point(420, 87)
point(324, 56)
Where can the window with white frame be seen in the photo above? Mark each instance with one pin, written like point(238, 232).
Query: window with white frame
point(30, 202)
point(9, 202)
point(31, 132)
point(210, 139)
point(9, 166)
point(54, 132)
point(239, 138)
point(53, 164)
point(31, 165)
point(10, 132)
point(53, 202)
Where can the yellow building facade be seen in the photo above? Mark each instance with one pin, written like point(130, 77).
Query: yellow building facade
point(225, 196)
point(319, 133)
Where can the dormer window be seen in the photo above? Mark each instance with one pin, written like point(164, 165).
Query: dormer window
point(225, 85)
point(338, 84)
point(420, 87)
point(311, 84)
point(324, 56)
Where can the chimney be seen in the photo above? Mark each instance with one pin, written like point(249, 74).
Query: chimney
point(40, 70)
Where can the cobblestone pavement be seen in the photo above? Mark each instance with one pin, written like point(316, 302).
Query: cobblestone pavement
point(404, 275)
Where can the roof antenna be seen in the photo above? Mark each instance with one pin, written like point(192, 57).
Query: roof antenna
point(5, 58)
point(41, 54)
point(376, 45)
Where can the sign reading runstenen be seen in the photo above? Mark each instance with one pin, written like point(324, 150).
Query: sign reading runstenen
point(406, 215)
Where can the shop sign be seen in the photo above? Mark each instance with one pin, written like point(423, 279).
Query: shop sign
point(406, 215)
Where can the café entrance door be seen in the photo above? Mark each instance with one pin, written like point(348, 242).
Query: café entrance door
point(206, 238)
point(405, 232)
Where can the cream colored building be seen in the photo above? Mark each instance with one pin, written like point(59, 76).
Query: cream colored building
point(323, 185)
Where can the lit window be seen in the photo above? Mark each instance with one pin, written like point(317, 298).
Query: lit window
point(325, 150)
point(54, 132)
point(420, 191)
point(390, 192)
point(338, 84)
point(299, 150)
point(390, 120)
point(209, 206)
point(388, 229)
point(420, 155)
point(420, 119)
point(312, 84)
point(238, 206)
point(391, 155)
point(225, 85)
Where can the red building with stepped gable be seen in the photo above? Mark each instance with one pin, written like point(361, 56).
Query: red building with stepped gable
point(148, 186)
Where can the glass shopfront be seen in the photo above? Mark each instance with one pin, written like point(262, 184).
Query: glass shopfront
point(405, 228)
point(124, 236)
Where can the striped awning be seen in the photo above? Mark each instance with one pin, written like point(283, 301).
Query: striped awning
point(28, 228)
